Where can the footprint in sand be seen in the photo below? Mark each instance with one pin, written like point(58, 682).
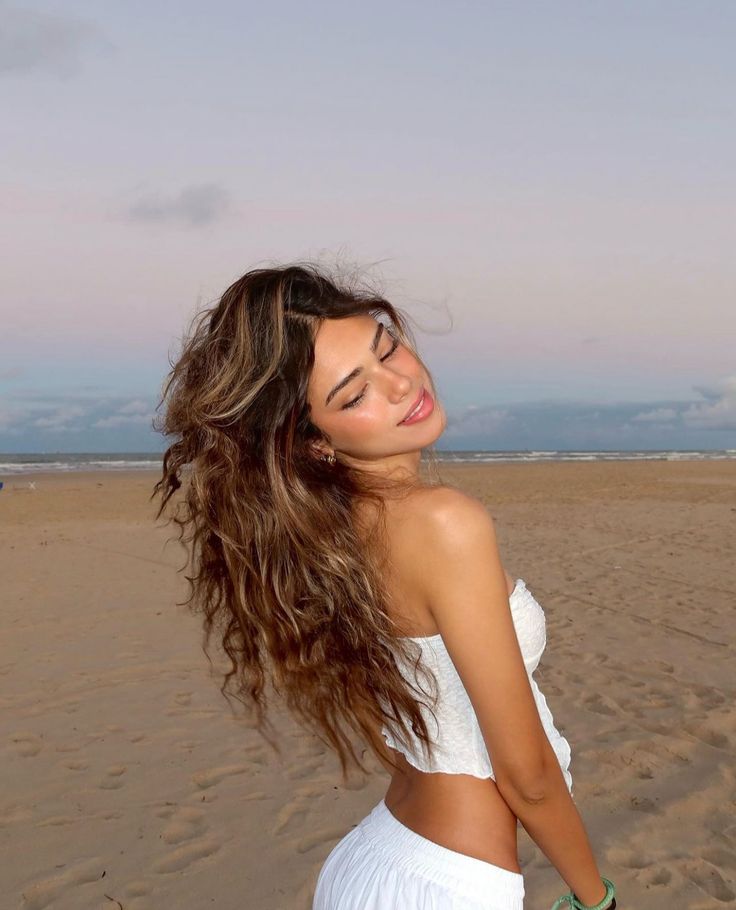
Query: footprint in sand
point(206, 779)
point(596, 703)
point(707, 735)
point(642, 804)
point(13, 813)
point(56, 821)
point(113, 778)
point(707, 877)
point(256, 795)
point(644, 772)
point(708, 696)
point(27, 744)
point(328, 836)
point(40, 894)
point(629, 859)
point(68, 747)
point(304, 769)
point(187, 854)
point(291, 816)
point(658, 875)
point(718, 856)
point(165, 810)
point(183, 698)
point(186, 823)
point(186, 833)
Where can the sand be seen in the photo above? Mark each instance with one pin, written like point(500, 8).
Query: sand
point(127, 781)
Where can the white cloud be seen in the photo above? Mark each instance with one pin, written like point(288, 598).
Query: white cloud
point(29, 417)
point(658, 415)
point(60, 418)
point(718, 412)
point(123, 420)
point(137, 406)
point(474, 419)
point(30, 409)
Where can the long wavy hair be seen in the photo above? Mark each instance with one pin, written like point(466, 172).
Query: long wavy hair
point(282, 569)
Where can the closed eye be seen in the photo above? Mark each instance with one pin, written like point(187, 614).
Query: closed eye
point(352, 404)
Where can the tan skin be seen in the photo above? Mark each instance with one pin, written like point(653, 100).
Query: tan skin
point(477, 817)
point(464, 813)
point(459, 811)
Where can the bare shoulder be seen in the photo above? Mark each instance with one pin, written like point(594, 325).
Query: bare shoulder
point(451, 524)
point(439, 507)
point(468, 593)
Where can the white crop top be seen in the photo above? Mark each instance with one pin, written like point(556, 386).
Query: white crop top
point(459, 744)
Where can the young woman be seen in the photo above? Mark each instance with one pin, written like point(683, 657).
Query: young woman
point(373, 601)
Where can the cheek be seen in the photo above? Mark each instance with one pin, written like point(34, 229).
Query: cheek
point(364, 418)
point(406, 361)
point(368, 419)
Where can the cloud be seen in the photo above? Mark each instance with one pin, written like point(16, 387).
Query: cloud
point(123, 420)
point(195, 205)
point(90, 419)
point(135, 413)
point(718, 411)
point(8, 421)
point(11, 373)
point(60, 419)
point(559, 424)
point(658, 415)
point(32, 40)
point(137, 406)
point(29, 409)
point(474, 419)
point(717, 390)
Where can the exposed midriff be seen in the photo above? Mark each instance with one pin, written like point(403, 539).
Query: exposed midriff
point(459, 811)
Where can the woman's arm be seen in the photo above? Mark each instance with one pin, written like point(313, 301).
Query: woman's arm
point(468, 598)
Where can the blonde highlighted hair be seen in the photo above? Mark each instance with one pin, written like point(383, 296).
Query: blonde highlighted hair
point(281, 572)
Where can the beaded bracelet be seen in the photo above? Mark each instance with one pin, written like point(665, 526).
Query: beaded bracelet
point(575, 904)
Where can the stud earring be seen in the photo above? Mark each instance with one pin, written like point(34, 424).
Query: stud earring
point(330, 459)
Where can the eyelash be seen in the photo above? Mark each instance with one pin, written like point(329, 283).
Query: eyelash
point(351, 404)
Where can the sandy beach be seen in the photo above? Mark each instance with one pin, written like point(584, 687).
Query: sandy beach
point(129, 782)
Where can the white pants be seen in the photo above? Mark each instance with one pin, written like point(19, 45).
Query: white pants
point(383, 865)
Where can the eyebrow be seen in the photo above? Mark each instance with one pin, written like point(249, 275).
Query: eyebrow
point(349, 378)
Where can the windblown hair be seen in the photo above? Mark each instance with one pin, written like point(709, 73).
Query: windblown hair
point(282, 570)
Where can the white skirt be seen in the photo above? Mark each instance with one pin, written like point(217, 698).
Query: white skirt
point(383, 865)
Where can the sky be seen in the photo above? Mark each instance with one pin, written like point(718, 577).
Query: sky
point(547, 189)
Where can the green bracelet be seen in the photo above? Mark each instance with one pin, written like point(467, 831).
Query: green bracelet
point(575, 904)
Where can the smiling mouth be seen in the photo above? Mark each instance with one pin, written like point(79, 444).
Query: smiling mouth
point(415, 407)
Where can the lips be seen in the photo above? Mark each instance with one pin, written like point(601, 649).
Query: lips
point(415, 406)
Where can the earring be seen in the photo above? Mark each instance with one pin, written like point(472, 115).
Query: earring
point(330, 459)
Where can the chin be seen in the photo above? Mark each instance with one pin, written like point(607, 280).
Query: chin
point(433, 429)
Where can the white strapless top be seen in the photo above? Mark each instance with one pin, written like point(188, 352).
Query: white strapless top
point(459, 744)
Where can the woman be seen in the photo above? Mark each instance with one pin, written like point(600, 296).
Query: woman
point(374, 602)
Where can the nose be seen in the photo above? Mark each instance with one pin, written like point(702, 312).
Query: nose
point(399, 387)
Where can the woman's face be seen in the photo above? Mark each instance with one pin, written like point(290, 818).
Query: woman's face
point(362, 416)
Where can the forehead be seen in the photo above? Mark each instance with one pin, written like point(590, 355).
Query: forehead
point(339, 346)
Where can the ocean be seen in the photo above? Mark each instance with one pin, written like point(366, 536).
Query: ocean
point(28, 462)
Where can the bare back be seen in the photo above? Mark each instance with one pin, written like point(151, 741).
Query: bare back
point(464, 813)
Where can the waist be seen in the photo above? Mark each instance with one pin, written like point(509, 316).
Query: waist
point(461, 812)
